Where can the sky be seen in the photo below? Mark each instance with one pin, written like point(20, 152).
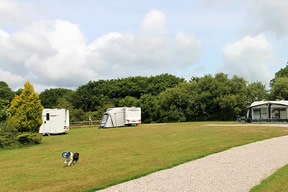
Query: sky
point(67, 43)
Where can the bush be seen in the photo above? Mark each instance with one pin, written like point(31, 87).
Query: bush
point(7, 140)
point(29, 138)
point(8, 136)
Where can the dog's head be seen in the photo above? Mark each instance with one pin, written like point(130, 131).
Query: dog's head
point(66, 155)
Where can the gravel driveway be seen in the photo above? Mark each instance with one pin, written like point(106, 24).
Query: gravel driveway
point(237, 169)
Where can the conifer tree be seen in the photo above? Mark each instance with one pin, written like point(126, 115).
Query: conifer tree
point(26, 109)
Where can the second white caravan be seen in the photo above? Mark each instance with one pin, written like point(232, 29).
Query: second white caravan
point(120, 117)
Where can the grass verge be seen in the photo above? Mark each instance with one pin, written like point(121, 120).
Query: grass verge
point(111, 156)
point(275, 182)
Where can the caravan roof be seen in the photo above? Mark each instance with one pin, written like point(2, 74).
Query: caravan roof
point(257, 103)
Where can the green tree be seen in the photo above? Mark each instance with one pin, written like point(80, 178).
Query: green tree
point(205, 98)
point(149, 108)
point(5, 92)
point(235, 102)
point(159, 83)
point(63, 103)
point(279, 89)
point(3, 84)
point(173, 103)
point(25, 110)
point(99, 93)
point(129, 101)
point(77, 115)
point(283, 72)
point(49, 97)
point(4, 105)
point(256, 91)
point(19, 91)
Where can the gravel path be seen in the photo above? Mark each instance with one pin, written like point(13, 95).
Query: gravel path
point(237, 169)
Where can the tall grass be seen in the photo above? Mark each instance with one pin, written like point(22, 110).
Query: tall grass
point(110, 156)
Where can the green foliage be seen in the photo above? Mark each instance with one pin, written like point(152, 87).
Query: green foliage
point(149, 108)
point(63, 103)
point(5, 92)
point(129, 101)
point(8, 140)
point(77, 115)
point(256, 92)
point(8, 136)
point(49, 98)
point(279, 86)
point(172, 104)
point(283, 72)
point(26, 109)
point(280, 89)
point(19, 91)
point(206, 98)
point(4, 105)
point(3, 84)
point(159, 83)
point(29, 138)
point(98, 93)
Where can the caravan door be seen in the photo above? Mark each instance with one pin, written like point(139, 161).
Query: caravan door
point(119, 119)
point(46, 126)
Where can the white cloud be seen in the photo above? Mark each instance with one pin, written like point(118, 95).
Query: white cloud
point(154, 22)
point(250, 57)
point(9, 11)
point(138, 54)
point(187, 48)
point(269, 16)
point(50, 52)
point(12, 79)
point(55, 53)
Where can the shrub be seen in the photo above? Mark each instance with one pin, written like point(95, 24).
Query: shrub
point(11, 138)
point(26, 110)
point(29, 138)
point(8, 136)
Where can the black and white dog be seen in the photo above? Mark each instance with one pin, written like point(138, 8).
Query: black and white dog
point(72, 158)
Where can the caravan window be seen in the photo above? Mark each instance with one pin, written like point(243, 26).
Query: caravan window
point(264, 113)
point(104, 118)
point(47, 116)
point(260, 113)
point(283, 113)
point(279, 113)
point(257, 114)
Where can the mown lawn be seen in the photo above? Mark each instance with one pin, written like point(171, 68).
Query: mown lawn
point(110, 156)
point(276, 182)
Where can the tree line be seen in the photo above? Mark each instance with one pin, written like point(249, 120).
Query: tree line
point(162, 98)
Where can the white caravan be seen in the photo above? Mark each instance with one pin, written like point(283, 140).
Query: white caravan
point(54, 121)
point(120, 117)
point(268, 111)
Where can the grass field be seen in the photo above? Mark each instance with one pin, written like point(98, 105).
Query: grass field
point(275, 183)
point(111, 156)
